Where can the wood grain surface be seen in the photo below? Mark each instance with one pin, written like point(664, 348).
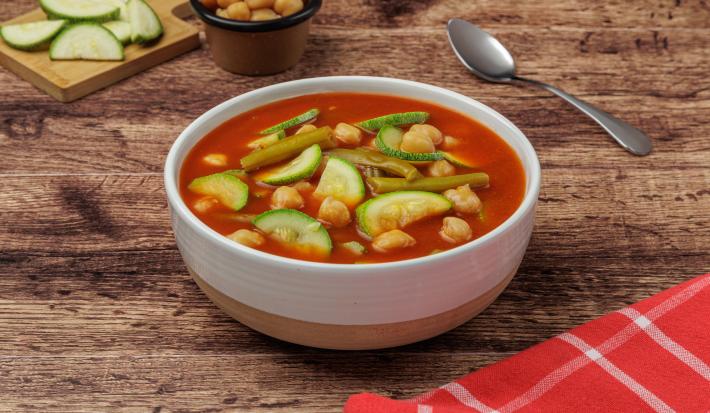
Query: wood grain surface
point(98, 313)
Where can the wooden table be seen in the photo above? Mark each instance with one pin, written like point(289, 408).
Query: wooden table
point(97, 311)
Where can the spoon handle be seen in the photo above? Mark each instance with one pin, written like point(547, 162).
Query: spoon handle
point(630, 138)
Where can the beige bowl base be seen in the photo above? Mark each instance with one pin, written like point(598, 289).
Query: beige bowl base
point(350, 337)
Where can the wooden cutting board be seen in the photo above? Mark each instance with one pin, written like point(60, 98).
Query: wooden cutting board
point(69, 80)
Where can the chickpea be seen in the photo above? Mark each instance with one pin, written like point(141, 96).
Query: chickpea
point(223, 4)
point(455, 230)
point(263, 14)
point(430, 131)
point(392, 240)
point(416, 142)
point(286, 197)
point(450, 142)
point(239, 11)
point(259, 4)
point(210, 4)
point(441, 168)
point(306, 129)
point(334, 212)
point(215, 159)
point(303, 186)
point(222, 13)
point(464, 199)
point(288, 7)
point(348, 134)
point(246, 237)
point(202, 205)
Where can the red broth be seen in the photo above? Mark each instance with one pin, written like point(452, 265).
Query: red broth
point(479, 146)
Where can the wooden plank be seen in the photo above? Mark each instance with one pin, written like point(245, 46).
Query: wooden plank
point(124, 131)
point(144, 303)
point(644, 212)
point(67, 81)
point(385, 14)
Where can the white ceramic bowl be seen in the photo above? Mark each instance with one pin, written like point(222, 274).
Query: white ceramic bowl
point(352, 306)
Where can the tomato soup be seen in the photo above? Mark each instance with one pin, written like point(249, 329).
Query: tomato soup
point(352, 178)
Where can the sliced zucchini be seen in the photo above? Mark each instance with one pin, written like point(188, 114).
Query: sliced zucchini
point(227, 188)
point(354, 247)
point(456, 161)
point(388, 140)
point(300, 167)
point(145, 24)
point(342, 181)
point(120, 29)
point(123, 10)
point(86, 41)
point(394, 119)
point(267, 140)
point(80, 10)
point(31, 36)
point(295, 230)
point(302, 118)
point(239, 173)
point(396, 210)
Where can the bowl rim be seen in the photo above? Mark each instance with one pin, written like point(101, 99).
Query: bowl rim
point(209, 17)
point(178, 206)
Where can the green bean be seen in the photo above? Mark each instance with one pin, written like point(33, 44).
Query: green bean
point(431, 184)
point(373, 158)
point(374, 172)
point(287, 148)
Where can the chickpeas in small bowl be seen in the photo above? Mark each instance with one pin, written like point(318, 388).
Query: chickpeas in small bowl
point(256, 37)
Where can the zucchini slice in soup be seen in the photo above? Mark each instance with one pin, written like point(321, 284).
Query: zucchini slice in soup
point(388, 141)
point(227, 188)
point(300, 167)
point(342, 181)
point(457, 161)
point(394, 119)
point(297, 120)
point(397, 210)
point(295, 230)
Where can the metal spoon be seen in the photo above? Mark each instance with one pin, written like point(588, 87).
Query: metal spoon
point(486, 57)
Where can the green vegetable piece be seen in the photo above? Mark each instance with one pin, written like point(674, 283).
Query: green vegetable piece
point(388, 141)
point(396, 210)
point(354, 247)
point(342, 181)
point(287, 148)
point(299, 168)
point(456, 161)
point(145, 24)
point(86, 41)
point(431, 184)
point(228, 189)
point(31, 36)
point(120, 29)
point(302, 118)
point(394, 119)
point(295, 230)
point(378, 160)
point(80, 10)
point(267, 140)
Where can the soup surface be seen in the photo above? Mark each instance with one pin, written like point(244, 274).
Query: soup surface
point(439, 214)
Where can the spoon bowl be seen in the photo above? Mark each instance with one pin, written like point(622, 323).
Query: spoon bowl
point(480, 52)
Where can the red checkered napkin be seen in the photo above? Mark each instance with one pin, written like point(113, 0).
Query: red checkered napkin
point(652, 356)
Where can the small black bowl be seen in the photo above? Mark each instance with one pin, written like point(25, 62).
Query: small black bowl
point(257, 48)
